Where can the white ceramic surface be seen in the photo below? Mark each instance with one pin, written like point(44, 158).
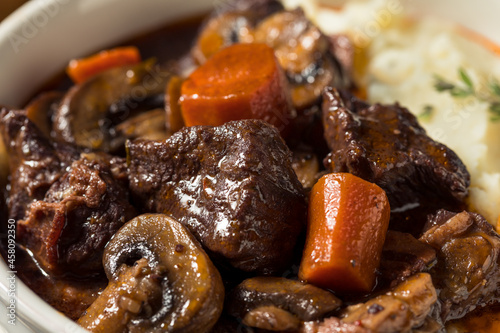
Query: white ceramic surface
point(38, 40)
point(479, 15)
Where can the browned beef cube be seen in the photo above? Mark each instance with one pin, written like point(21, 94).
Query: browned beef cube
point(403, 256)
point(233, 186)
point(68, 230)
point(35, 162)
point(384, 144)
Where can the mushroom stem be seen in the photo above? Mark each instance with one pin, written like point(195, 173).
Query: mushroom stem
point(127, 297)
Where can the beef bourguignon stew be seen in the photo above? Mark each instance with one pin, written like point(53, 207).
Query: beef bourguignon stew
point(240, 183)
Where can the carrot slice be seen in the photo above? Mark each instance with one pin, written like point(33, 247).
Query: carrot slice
point(79, 70)
point(243, 81)
point(347, 223)
point(480, 39)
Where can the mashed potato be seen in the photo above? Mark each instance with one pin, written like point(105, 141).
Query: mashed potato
point(404, 62)
point(403, 59)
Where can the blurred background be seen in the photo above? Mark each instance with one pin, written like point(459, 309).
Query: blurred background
point(8, 6)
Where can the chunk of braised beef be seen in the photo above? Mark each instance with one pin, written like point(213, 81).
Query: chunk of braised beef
point(384, 144)
point(35, 162)
point(412, 219)
point(403, 256)
point(68, 230)
point(233, 186)
point(467, 271)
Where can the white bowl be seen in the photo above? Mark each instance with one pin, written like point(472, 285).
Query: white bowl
point(38, 40)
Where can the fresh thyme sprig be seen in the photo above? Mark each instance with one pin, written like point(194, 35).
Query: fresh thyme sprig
point(466, 88)
point(427, 113)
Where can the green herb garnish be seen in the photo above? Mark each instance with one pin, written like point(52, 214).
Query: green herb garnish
point(466, 79)
point(427, 113)
point(495, 111)
point(466, 89)
point(441, 85)
point(495, 88)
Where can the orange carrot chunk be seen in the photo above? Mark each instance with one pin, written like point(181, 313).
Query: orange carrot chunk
point(243, 81)
point(347, 223)
point(479, 39)
point(79, 70)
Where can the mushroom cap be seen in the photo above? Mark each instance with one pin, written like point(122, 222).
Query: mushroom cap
point(160, 280)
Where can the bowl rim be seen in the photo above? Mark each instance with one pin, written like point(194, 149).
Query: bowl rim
point(34, 28)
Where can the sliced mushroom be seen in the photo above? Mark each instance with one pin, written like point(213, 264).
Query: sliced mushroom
point(160, 279)
point(41, 109)
point(405, 307)
point(271, 318)
point(306, 166)
point(149, 125)
point(89, 112)
point(278, 304)
point(332, 325)
point(221, 31)
point(303, 52)
point(233, 24)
